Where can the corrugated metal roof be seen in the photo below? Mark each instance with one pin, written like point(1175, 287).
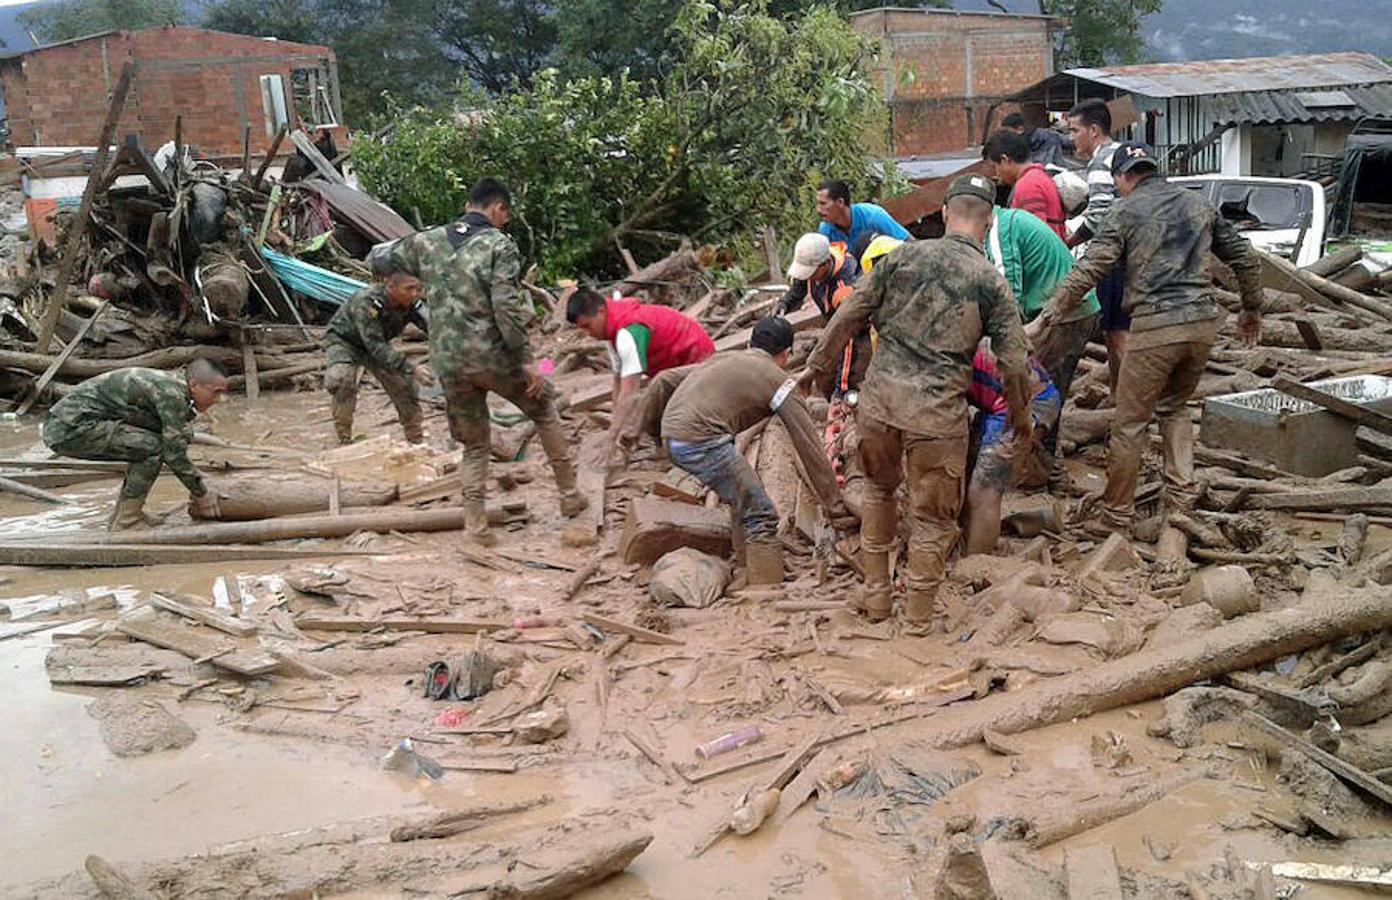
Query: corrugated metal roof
point(1266, 107)
point(1226, 76)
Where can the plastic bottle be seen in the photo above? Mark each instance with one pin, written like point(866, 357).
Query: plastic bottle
point(753, 812)
point(749, 734)
point(525, 622)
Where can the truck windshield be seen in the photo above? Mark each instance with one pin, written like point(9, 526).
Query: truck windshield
point(1262, 206)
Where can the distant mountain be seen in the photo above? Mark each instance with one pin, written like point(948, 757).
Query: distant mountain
point(1222, 29)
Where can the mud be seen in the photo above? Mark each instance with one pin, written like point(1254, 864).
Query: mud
point(282, 792)
point(135, 727)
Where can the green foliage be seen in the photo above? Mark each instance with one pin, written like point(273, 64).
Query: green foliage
point(751, 114)
point(70, 19)
point(1100, 32)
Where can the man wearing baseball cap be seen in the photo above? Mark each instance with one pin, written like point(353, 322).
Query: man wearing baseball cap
point(930, 302)
point(1163, 233)
point(827, 272)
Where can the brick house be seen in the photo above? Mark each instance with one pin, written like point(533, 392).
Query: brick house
point(220, 83)
point(947, 72)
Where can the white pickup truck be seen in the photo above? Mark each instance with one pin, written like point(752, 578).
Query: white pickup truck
point(1272, 213)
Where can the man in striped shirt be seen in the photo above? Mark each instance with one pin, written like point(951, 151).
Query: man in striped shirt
point(1090, 124)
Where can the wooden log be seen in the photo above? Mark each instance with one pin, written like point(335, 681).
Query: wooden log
point(52, 478)
point(1346, 409)
point(460, 821)
point(436, 625)
point(33, 493)
point(61, 358)
point(1064, 821)
point(1335, 262)
point(152, 628)
point(1279, 333)
point(1336, 292)
point(252, 382)
point(1242, 643)
point(381, 520)
point(165, 358)
point(561, 872)
point(578, 580)
point(115, 555)
point(1342, 768)
point(1346, 498)
point(259, 497)
point(655, 527)
point(204, 615)
point(271, 376)
point(642, 635)
point(111, 882)
point(72, 242)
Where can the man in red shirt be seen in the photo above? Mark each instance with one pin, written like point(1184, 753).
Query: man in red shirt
point(643, 339)
point(1032, 188)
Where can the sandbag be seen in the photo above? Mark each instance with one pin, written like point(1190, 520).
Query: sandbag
point(687, 577)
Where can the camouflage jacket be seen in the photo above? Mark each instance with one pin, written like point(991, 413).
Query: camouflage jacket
point(469, 272)
point(930, 302)
point(144, 398)
point(1163, 232)
point(361, 331)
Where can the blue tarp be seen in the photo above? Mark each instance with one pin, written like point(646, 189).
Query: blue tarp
point(310, 280)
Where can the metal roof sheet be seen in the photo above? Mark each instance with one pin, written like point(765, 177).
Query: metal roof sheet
point(1266, 107)
point(1226, 76)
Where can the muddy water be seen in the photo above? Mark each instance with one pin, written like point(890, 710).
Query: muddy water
point(66, 796)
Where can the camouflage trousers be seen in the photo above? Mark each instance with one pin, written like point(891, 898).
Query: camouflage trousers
point(112, 441)
point(466, 407)
point(936, 481)
point(341, 381)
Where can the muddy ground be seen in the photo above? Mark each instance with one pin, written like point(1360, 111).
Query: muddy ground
point(307, 753)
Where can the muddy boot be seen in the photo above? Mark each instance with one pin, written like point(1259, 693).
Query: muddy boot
point(874, 599)
point(573, 503)
point(476, 524)
point(415, 434)
point(345, 435)
point(764, 562)
point(919, 605)
point(129, 514)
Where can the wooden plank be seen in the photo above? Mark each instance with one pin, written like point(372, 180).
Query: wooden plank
point(1348, 498)
point(61, 358)
point(1345, 770)
point(204, 615)
point(20, 553)
point(1337, 405)
point(430, 626)
point(78, 230)
point(1309, 333)
point(24, 490)
point(152, 628)
point(642, 635)
point(657, 759)
point(91, 465)
point(321, 165)
point(1092, 873)
point(270, 157)
point(253, 382)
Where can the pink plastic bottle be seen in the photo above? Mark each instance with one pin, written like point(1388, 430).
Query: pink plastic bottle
point(749, 734)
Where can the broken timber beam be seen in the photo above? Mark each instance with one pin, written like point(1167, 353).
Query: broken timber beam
point(162, 631)
point(270, 157)
point(1337, 405)
point(78, 230)
point(642, 635)
point(429, 626)
point(1342, 768)
point(1347, 498)
point(60, 359)
point(33, 493)
point(18, 553)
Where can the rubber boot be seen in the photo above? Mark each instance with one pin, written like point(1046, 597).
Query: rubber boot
point(919, 605)
point(925, 574)
point(415, 434)
point(875, 599)
point(573, 503)
point(476, 529)
point(877, 534)
point(764, 562)
point(553, 441)
point(129, 514)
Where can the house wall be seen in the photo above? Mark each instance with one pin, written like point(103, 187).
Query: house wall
point(943, 71)
point(58, 96)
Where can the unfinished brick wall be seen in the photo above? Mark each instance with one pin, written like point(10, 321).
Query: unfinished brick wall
point(57, 96)
point(945, 69)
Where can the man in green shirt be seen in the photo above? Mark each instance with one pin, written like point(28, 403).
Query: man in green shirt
point(1034, 260)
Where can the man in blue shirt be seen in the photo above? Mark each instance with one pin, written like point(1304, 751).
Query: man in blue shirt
point(844, 221)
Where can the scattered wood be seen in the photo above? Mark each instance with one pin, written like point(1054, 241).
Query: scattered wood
point(669, 771)
point(17, 553)
point(1064, 821)
point(205, 615)
point(577, 582)
point(381, 520)
point(655, 527)
point(1342, 768)
point(19, 610)
point(33, 493)
point(1324, 499)
point(792, 762)
point(460, 821)
point(1242, 559)
point(1353, 876)
point(563, 872)
point(1114, 555)
point(111, 882)
point(1371, 418)
point(642, 635)
point(436, 625)
point(795, 606)
point(1334, 667)
point(152, 628)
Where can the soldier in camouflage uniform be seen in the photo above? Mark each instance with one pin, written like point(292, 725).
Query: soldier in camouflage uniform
point(143, 417)
point(478, 342)
point(360, 334)
point(930, 303)
point(1163, 234)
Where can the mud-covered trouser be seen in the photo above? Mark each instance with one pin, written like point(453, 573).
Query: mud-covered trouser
point(936, 481)
point(718, 466)
point(466, 407)
point(1059, 352)
point(341, 381)
point(1153, 381)
point(112, 441)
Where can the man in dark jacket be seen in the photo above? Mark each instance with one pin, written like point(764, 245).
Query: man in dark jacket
point(1163, 233)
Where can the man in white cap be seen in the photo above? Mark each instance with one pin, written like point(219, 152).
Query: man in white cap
point(827, 272)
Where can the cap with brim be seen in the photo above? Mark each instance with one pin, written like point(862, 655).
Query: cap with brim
point(1133, 155)
point(810, 251)
point(973, 185)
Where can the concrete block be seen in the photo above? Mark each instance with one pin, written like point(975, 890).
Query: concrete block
point(655, 527)
point(1292, 434)
point(1114, 555)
